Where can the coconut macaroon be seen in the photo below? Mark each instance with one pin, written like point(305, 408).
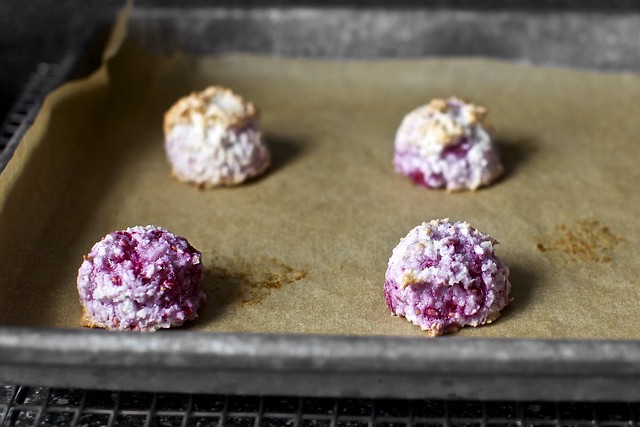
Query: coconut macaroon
point(213, 138)
point(142, 279)
point(445, 275)
point(447, 143)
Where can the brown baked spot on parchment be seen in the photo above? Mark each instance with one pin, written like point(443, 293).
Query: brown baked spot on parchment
point(246, 282)
point(585, 240)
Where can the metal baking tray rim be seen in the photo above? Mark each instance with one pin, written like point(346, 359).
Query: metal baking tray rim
point(323, 365)
point(269, 364)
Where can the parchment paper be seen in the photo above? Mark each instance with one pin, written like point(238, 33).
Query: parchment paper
point(304, 249)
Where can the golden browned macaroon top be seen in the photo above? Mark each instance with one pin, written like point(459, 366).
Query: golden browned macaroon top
point(214, 105)
point(473, 113)
point(449, 118)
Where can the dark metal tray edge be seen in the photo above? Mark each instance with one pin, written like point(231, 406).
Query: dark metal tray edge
point(319, 365)
point(450, 367)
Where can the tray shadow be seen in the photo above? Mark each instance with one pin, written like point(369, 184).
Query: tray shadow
point(284, 150)
point(523, 282)
point(515, 152)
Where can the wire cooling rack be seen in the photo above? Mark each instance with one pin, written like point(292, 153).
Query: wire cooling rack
point(21, 116)
point(25, 406)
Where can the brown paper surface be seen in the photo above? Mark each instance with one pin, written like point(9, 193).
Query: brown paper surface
point(304, 249)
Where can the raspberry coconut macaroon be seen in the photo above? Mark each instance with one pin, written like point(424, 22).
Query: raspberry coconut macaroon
point(447, 144)
point(142, 279)
point(213, 138)
point(445, 275)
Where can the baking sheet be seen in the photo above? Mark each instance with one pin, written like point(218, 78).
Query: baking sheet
point(304, 249)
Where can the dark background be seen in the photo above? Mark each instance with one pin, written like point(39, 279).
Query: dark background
point(35, 31)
